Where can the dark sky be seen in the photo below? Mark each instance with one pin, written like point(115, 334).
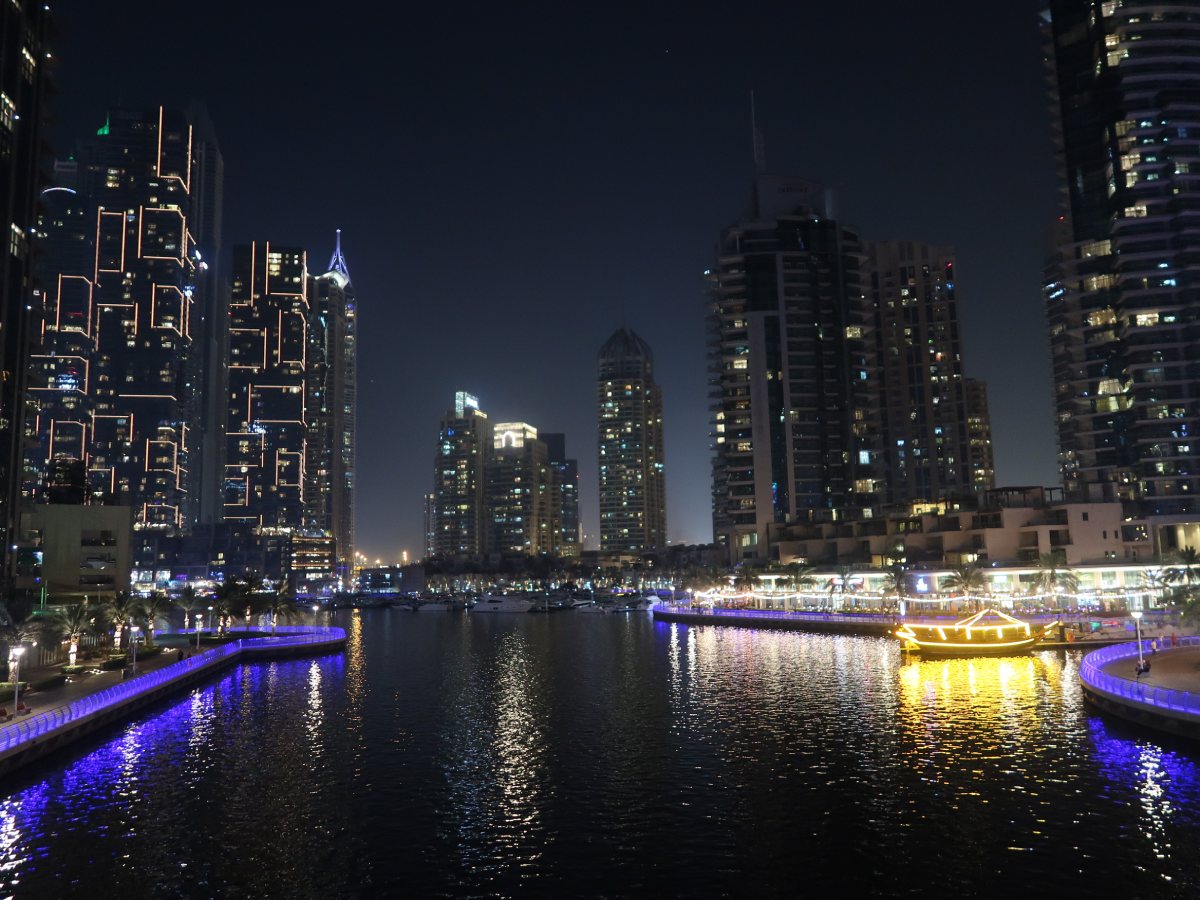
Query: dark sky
point(510, 176)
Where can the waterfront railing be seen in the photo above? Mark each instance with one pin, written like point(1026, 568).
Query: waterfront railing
point(1091, 672)
point(43, 723)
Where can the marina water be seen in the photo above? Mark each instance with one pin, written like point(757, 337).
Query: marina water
point(451, 755)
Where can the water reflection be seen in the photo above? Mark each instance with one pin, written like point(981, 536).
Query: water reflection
point(556, 755)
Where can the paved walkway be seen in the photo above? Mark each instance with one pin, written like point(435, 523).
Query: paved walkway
point(79, 686)
point(1175, 669)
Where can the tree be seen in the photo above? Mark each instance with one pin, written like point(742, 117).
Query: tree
point(1053, 575)
point(233, 594)
point(840, 583)
point(18, 626)
point(189, 602)
point(895, 584)
point(74, 622)
point(968, 580)
point(157, 605)
point(1158, 583)
point(799, 577)
point(278, 604)
point(122, 608)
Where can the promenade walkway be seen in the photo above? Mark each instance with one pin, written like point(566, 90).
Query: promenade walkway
point(30, 737)
point(1167, 698)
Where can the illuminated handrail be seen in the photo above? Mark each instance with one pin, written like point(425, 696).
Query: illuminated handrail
point(782, 614)
point(43, 723)
point(1091, 674)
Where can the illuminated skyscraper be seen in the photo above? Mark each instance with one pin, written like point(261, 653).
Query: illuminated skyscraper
point(633, 509)
point(267, 423)
point(118, 342)
point(979, 434)
point(24, 57)
point(1121, 286)
point(568, 486)
point(523, 502)
point(925, 422)
point(794, 384)
point(459, 479)
point(331, 407)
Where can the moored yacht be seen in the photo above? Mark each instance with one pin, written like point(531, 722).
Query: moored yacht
point(496, 603)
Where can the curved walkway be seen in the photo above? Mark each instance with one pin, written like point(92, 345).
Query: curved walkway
point(1167, 698)
point(29, 738)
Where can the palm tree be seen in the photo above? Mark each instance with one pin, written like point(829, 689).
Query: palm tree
point(840, 583)
point(800, 577)
point(1053, 574)
point(895, 584)
point(277, 604)
point(1158, 583)
point(968, 580)
point(252, 585)
point(121, 609)
point(189, 603)
point(230, 596)
point(74, 621)
point(18, 626)
point(156, 606)
point(1185, 572)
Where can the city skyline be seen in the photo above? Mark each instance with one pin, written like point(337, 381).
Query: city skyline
point(655, 160)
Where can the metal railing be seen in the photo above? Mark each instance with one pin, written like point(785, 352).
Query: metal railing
point(1091, 673)
point(43, 723)
point(779, 614)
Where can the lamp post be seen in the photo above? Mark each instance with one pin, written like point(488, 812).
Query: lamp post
point(1137, 621)
point(199, 624)
point(14, 672)
point(210, 618)
point(133, 642)
point(315, 608)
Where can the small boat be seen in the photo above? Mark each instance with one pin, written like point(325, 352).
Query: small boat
point(498, 603)
point(592, 608)
point(989, 632)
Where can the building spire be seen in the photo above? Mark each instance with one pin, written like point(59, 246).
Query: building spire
point(337, 262)
point(756, 140)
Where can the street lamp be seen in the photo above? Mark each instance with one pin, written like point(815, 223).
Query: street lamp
point(199, 625)
point(316, 608)
point(210, 618)
point(133, 642)
point(14, 672)
point(1137, 621)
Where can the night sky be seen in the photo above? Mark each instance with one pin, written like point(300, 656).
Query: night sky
point(511, 179)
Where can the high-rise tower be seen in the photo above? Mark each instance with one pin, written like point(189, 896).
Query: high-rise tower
point(792, 363)
point(633, 508)
point(331, 407)
point(119, 304)
point(1120, 287)
point(459, 478)
point(925, 428)
point(267, 419)
point(24, 58)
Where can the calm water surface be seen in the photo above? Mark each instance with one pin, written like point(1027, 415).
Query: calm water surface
point(562, 755)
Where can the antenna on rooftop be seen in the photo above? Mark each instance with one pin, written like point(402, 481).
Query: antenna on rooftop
point(756, 140)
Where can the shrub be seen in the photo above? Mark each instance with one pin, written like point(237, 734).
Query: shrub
point(72, 670)
point(113, 662)
point(6, 690)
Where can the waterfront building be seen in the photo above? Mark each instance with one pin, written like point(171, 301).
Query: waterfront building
point(633, 506)
point(82, 550)
point(458, 479)
point(331, 375)
point(118, 323)
point(979, 435)
point(570, 540)
point(523, 499)
point(924, 410)
point(1120, 283)
point(266, 418)
point(794, 382)
point(1002, 527)
point(24, 88)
